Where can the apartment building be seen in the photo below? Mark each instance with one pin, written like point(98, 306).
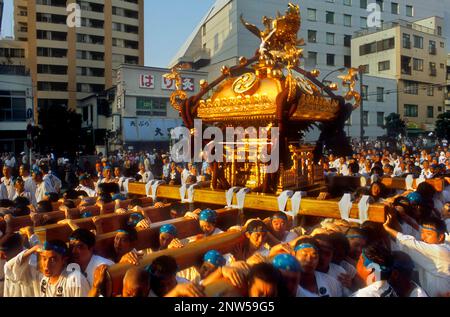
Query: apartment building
point(413, 54)
point(136, 113)
point(447, 93)
point(69, 63)
point(327, 27)
point(16, 106)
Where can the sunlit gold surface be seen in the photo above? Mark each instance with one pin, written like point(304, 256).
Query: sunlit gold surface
point(349, 80)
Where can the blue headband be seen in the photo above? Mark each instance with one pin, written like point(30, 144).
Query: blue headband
point(208, 215)
point(118, 196)
point(280, 216)
point(415, 197)
point(305, 246)
point(356, 236)
point(170, 229)
point(83, 177)
point(286, 262)
point(107, 168)
point(430, 228)
point(215, 258)
point(368, 261)
point(135, 219)
point(122, 231)
point(87, 214)
point(51, 247)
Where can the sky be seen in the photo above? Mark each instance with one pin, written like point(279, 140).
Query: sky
point(168, 23)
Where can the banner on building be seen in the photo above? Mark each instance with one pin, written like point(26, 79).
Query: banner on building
point(145, 130)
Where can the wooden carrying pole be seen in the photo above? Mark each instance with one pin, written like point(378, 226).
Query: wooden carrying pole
point(265, 202)
point(185, 257)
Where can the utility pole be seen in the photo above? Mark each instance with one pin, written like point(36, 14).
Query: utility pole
point(361, 86)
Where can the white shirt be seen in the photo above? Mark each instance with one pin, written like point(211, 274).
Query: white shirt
point(350, 269)
point(41, 189)
point(69, 284)
point(25, 194)
point(95, 262)
point(327, 286)
point(432, 261)
point(53, 182)
point(376, 289)
point(9, 184)
point(289, 236)
point(418, 292)
point(3, 191)
point(30, 186)
point(19, 287)
point(89, 191)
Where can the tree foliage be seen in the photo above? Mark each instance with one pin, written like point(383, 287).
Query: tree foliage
point(395, 126)
point(443, 126)
point(60, 130)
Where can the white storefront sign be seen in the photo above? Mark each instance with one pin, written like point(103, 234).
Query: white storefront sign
point(143, 130)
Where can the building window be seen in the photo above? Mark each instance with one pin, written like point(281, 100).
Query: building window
point(363, 4)
point(430, 91)
point(330, 38)
point(329, 17)
point(439, 30)
point(418, 41)
point(439, 109)
point(312, 36)
point(151, 106)
point(380, 119)
point(312, 58)
point(348, 2)
point(204, 29)
point(330, 60)
point(442, 44)
point(385, 65)
point(12, 105)
point(381, 4)
point(430, 112)
point(364, 92)
point(347, 40)
point(347, 61)
point(409, 11)
point(433, 71)
point(312, 14)
point(411, 111)
point(406, 40)
point(380, 94)
point(363, 23)
point(418, 64)
point(395, 8)
point(366, 118)
point(347, 20)
point(411, 87)
point(406, 65)
point(432, 48)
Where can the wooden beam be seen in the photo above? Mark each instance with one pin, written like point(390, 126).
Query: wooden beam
point(109, 223)
point(186, 257)
point(389, 182)
point(266, 202)
point(149, 238)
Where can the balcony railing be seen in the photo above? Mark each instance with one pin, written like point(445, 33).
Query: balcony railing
point(18, 70)
point(390, 25)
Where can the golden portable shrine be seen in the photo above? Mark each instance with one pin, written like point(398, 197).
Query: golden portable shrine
point(272, 90)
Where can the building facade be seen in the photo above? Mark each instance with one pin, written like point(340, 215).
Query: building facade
point(414, 55)
point(327, 28)
point(71, 58)
point(16, 107)
point(447, 92)
point(1, 14)
point(136, 113)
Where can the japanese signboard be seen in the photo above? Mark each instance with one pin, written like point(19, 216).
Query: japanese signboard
point(188, 84)
point(147, 81)
point(143, 130)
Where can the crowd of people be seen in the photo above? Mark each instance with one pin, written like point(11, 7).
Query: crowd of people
point(407, 256)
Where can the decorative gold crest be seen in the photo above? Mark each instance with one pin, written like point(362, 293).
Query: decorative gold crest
point(247, 83)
